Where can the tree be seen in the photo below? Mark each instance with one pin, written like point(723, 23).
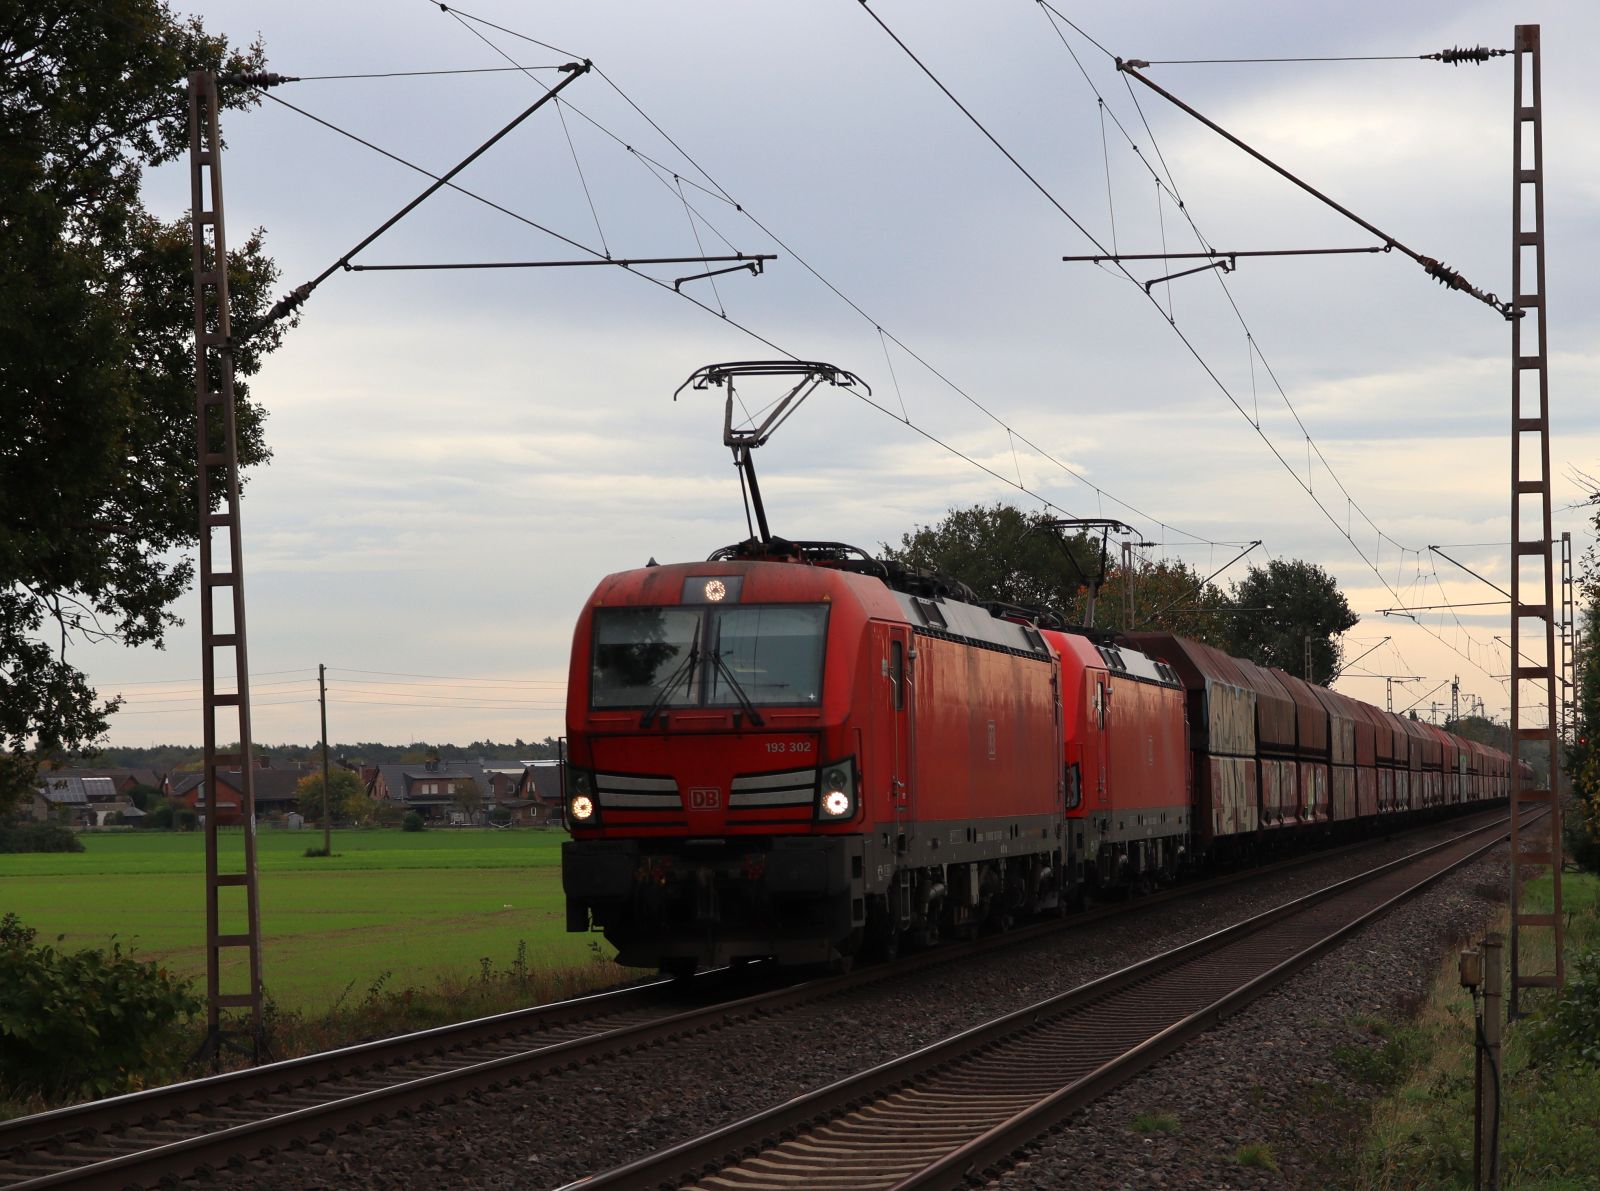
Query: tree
point(1583, 754)
point(347, 797)
point(142, 796)
point(360, 808)
point(1280, 605)
point(469, 797)
point(1004, 555)
point(1007, 555)
point(96, 364)
point(1169, 597)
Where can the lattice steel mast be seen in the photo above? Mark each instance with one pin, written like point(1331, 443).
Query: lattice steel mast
point(1531, 545)
point(218, 485)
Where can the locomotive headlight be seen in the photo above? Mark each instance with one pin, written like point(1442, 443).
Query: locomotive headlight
point(581, 806)
point(836, 791)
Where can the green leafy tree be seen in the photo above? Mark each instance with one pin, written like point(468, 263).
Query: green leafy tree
point(360, 808)
point(1012, 557)
point(1279, 606)
point(1168, 596)
point(1006, 555)
point(142, 796)
point(347, 797)
point(97, 491)
point(469, 796)
point(1583, 754)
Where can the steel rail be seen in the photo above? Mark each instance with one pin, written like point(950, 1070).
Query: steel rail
point(96, 1116)
point(820, 1129)
point(292, 1082)
point(1005, 1139)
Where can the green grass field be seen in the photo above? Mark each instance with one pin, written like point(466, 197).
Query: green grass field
point(423, 906)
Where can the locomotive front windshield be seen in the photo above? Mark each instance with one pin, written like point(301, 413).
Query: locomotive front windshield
point(768, 654)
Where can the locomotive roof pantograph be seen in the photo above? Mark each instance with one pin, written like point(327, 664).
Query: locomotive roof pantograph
point(741, 440)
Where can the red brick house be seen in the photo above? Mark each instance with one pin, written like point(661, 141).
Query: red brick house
point(275, 793)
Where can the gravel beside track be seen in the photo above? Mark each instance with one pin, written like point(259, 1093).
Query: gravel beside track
point(1268, 1075)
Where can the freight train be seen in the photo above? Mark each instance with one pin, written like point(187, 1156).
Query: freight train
point(797, 751)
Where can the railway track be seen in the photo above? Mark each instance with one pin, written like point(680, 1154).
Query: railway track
point(207, 1124)
point(959, 1108)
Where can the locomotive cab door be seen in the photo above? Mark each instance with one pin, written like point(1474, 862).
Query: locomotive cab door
point(891, 715)
point(1100, 713)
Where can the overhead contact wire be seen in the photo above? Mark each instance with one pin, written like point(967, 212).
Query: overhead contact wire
point(722, 193)
point(1183, 338)
point(1171, 185)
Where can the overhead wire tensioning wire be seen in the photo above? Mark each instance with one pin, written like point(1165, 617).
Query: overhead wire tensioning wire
point(412, 74)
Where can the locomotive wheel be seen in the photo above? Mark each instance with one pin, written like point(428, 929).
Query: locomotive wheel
point(679, 967)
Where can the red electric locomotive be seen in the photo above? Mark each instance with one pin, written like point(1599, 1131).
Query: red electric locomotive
point(785, 756)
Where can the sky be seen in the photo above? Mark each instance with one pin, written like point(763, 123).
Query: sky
point(460, 456)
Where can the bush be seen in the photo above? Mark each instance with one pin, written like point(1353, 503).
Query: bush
point(500, 816)
point(1570, 1031)
point(86, 1023)
point(1581, 837)
point(17, 836)
point(412, 822)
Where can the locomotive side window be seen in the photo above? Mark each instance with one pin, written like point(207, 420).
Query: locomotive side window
point(897, 673)
point(638, 651)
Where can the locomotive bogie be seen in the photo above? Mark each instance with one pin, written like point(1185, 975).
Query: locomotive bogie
point(666, 904)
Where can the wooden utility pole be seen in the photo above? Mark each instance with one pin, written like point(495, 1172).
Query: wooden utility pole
point(322, 698)
point(218, 492)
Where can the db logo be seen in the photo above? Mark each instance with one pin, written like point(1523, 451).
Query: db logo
point(704, 798)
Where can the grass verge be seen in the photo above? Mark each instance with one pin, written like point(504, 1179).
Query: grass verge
point(1419, 1136)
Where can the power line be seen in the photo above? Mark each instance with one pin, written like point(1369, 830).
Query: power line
point(1305, 485)
point(220, 677)
point(721, 193)
point(194, 709)
point(431, 707)
point(411, 74)
point(444, 677)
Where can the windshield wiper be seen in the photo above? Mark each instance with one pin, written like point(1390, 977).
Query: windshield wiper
point(684, 671)
point(744, 700)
